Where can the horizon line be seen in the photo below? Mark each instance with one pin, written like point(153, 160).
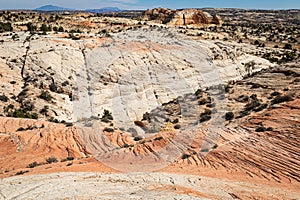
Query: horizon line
point(141, 9)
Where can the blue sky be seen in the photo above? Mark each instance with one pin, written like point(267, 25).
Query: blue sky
point(143, 4)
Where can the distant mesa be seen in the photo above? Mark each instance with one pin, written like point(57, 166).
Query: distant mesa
point(181, 17)
point(52, 8)
point(104, 10)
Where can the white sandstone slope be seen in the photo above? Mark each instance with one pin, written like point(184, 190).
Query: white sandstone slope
point(129, 73)
point(134, 186)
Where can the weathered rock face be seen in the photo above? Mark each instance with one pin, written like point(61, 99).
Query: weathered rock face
point(136, 69)
point(182, 17)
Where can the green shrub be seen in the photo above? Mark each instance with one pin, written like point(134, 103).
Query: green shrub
point(242, 98)
point(287, 46)
point(45, 95)
point(261, 107)
point(51, 160)
point(206, 115)
point(53, 87)
point(70, 158)
point(30, 27)
point(3, 98)
point(260, 129)
point(275, 93)
point(19, 113)
point(34, 164)
point(177, 126)
point(5, 27)
point(21, 129)
point(229, 116)
point(159, 138)
point(44, 110)
point(107, 116)
point(21, 172)
point(251, 105)
point(243, 113)
point(281, 99)
point(45, 28)
point(185, 156)
point(110, 130)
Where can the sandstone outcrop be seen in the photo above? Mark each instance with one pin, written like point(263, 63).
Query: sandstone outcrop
point(138, 69)
point(242, 153)
point(182, 17)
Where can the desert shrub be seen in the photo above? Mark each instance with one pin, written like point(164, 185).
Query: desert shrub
point(287, 72)
point(45, 95)
point(44, 110)
point(211, 105)
point(175, 121)
point(21, 129)
point(51, 160)
point(107, 129)
point(251, 105)
point(52, 119)
point(19, 113)
point(146, 116)
point(3, 98)
point(261, 107)
point(229, 116)
point(27, 106)
point(260, 129)
point(5, 27)
point(65, 83)
point(73, 37)
point(21, 172)
point(107, 116)
point(204, 150)
point(254, 96)
point(281, 99)
point(53, 87)
point(159, 138)
point(45, 28)
point(205, 116)
point(177, 126)
point(61, 29)
point(185, 156)
point(199, 93)
point(75, 31)
point(243, 113)
point(275, 93)
point(127, 146)
point(34, 164)
point(68, 124)
point(203, 101)
point(31, 27)
point(287, 46)
point(70, 158)
point(139, 123)
point(214, 146)
point(138, 138)
point(242, 98)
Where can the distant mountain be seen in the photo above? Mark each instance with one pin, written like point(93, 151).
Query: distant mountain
point(104, 10)
point(57, 8)
point(51, 8)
